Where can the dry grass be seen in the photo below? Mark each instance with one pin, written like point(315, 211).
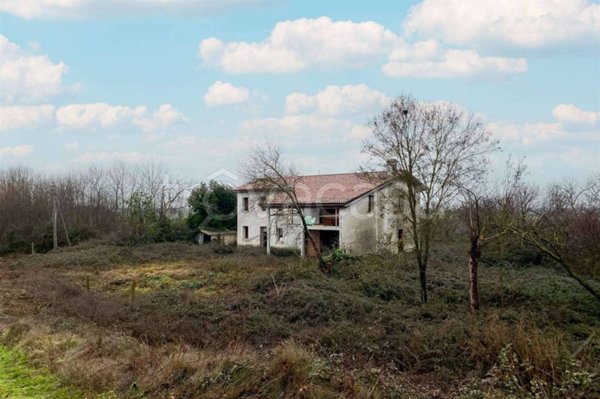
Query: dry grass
point(173, 319)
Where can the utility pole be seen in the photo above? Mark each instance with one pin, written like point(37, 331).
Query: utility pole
point(54, 218)
point(62, 218)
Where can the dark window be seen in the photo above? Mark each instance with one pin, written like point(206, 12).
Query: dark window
point(246, 204)
point(400, 240)
point(245, 229)
point(329, 216)
point(371, 199)
point(279, 233)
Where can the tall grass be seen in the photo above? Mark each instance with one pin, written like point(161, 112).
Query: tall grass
point(220, 325)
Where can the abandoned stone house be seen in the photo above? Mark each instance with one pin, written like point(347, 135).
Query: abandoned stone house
point(348, 211)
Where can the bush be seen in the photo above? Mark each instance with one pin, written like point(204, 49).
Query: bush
point(383, 291)
point(338, 255)
point(285, 252)
point(223, 249)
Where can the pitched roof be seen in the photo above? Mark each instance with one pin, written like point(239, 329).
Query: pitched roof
point(331, 189)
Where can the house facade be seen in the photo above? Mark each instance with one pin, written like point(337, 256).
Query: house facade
point(348, 211)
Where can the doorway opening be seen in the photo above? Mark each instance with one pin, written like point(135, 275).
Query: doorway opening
point(263, 236)
point(400, 240)
point(325, 240)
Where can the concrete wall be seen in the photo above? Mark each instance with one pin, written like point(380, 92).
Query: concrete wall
point(256, 217)
point(392, 210)
point(253, 218)
point(357, 227)
point(360, 231)
point(363, 231)
point(292, 229)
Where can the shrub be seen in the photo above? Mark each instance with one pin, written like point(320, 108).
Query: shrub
point(563, 377)
point(383, 291)
point(285, 252)
point(223, 249)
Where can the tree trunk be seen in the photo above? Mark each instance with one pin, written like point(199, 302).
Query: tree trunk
point(423, 279)
point(474, 254)
point(585, 285)
point(323, 266)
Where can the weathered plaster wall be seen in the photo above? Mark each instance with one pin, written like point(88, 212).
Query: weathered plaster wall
point(253, 218)
point(363, 231)
point(357, 227)
point(360, 231)
point(292, 229)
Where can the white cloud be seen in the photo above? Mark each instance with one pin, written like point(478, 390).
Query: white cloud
point(101, 115)
point(519, 23)
point(25, 116)
point(527, 133)
point(223, 93)
point(164, 118)
point(51, 9)
point(26, 77)
point(295, 45)
point(108, 157)
point(297, 126)
point(96, 115)
point(213, 149)
point(301, 129)
point(569, 113)
point(428, 60)
point(568, 126)
point(16, 151)
point(337, 100)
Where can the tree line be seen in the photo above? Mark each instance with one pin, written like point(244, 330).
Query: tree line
point(124, 202)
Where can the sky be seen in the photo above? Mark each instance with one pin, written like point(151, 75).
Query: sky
point(196, 85)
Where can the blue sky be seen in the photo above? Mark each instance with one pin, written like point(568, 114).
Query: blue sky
point(196, 84)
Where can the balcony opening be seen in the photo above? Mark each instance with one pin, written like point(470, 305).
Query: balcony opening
point(329, 216)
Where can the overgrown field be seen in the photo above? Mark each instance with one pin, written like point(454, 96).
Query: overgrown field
point(162, 321)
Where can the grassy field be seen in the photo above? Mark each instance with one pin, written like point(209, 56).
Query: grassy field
point(180, 321)
point(18, 380)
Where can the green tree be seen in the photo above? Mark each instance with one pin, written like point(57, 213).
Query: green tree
point(212, 205)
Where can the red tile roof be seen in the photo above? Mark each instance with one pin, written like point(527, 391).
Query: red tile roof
point(332, 189)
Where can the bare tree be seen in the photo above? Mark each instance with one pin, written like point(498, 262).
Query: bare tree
point(122, 178)
point(484, 213)
point(90, 202)
point(434, 149)
point(152, 176)
point(476, 222)
point(173, 195)
point(564, 225)
point(265, 169)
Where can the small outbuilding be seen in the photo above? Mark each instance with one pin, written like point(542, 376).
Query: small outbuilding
point(207, 236)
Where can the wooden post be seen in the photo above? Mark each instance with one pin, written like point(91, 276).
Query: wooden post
point(62, 218)
point(54, 218)
point(269, 230)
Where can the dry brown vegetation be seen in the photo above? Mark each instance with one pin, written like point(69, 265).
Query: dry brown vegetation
point(175, 320)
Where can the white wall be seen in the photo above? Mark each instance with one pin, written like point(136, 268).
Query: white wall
point(357, 227)
point(256, 217)
point(363, 231)
point(292, 232)
point(360, 231)
point(253, 218)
